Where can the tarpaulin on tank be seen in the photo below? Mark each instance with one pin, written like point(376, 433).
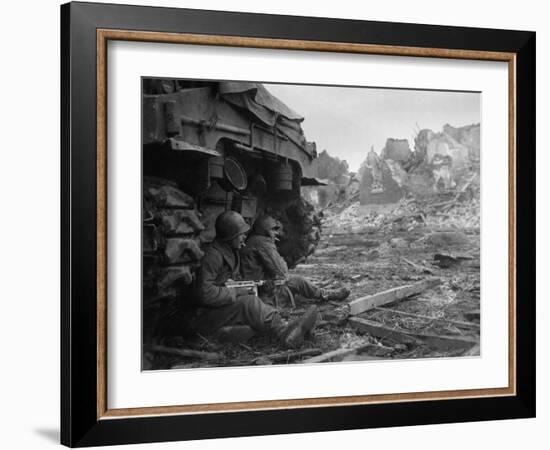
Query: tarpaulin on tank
point(259, 101)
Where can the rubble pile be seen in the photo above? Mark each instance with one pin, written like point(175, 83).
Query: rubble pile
point(406, 215)
point(350, 219)
point(421, 223)
point(440, 162)
point(462, 216)
point(431, 230)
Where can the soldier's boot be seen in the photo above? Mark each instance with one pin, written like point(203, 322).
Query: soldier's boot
point(335, 294)
point(292, 334)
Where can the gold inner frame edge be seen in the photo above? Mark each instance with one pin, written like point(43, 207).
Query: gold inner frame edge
point(103, 36)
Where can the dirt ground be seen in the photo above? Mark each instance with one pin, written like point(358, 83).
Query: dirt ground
point(370, 250)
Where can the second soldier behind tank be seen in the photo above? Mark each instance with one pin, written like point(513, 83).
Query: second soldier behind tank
point(260, 260)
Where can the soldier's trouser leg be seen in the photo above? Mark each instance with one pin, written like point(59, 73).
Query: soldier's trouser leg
point(256, 313)
point(247, 310)
point(302, 286)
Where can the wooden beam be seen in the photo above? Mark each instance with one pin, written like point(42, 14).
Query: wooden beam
point(474, 351)
point(291, 356)
point(339, 353)
point(382, 332)
point(406, 337)
point(186, 353)
point(435, 319)
point(418, 267)
point(363, 304)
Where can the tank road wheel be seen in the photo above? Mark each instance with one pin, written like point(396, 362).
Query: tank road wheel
point(301, 231)
point(171, 253)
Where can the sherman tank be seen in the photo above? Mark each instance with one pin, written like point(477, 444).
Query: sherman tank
point(210, 147)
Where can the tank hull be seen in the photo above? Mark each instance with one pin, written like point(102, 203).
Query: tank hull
point(207, 149)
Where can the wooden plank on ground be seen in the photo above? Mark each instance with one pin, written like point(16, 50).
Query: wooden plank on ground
point(380, 331)
point(341, 352)
point(291, 356)
point(187, 353)
point(440, 342)
point(363, 304)
point(435, 319)
point(474, 351)
point(418, 267)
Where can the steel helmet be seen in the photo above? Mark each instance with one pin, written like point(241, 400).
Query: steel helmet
point(229, 225)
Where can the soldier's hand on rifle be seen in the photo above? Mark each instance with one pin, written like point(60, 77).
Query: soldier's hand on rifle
point(238, 291)
point(246, 291)
point(268, 286)
point(232, 292)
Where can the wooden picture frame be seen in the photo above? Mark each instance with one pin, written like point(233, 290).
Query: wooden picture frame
point(86, 418)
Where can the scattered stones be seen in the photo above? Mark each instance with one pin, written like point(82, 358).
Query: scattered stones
point(472, 315)
point(372, 255)
point(262, 361)
point(399, 242)
point(447, 239)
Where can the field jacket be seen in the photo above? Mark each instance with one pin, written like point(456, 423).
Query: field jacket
point(219, 264)
point(260, 259)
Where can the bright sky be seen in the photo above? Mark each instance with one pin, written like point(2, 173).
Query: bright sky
point(347, 121)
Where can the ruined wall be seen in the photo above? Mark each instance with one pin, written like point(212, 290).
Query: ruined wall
point(378, 185)
point(396, 150)
point(440, 162)
point(329, 167)
point(468, 136)
point(442, 146)
point(323, 196)
point(453, 155)
point(332, 171)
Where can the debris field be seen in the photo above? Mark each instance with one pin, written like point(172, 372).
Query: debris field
point(413, 272)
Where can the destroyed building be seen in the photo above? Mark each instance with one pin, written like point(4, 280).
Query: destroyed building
point(440, 161)
point(412, 264)
point(333, 172)
point(378, 184)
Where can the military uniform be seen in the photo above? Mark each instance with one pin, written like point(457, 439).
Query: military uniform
point(218, 306)
point(261, 261)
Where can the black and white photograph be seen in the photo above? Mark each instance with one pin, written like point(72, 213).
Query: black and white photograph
point(275, 225)
point(301, 224)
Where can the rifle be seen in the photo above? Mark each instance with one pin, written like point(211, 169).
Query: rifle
point(251, 286)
